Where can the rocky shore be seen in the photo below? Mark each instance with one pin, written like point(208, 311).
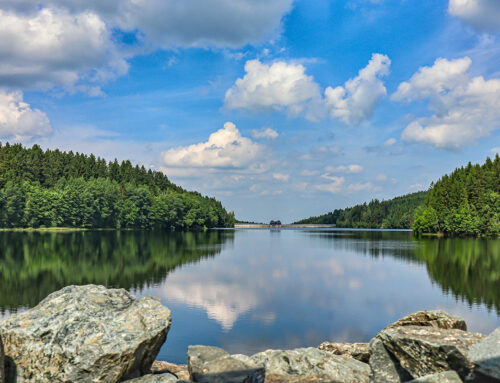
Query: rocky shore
point(93, 334)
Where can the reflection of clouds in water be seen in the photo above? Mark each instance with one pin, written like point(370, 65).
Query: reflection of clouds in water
point(223, 302)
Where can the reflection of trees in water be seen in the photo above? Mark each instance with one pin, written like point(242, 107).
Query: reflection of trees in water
point(32, 265)
point(469, 269)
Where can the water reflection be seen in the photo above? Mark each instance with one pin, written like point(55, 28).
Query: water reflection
point(249, 290)
point(32, 265)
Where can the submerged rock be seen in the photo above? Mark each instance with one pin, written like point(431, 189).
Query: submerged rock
point(86, 334)
point(426, 350)
point(318, 365)
point(358, 351)
point(440, 377)
point(431, 318)
point(486, 355)
point(208, 364)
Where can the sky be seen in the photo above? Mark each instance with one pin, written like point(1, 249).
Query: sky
point(280, 109)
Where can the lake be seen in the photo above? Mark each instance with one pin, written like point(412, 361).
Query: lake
point(250, 290)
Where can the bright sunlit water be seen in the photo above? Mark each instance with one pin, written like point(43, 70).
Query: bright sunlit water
point(250, 290)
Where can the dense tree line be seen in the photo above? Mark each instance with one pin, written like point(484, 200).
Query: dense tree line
point(466, 202)
point(396, 213)
point(53, 188)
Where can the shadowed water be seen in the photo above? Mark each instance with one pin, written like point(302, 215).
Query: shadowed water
point(249, 290)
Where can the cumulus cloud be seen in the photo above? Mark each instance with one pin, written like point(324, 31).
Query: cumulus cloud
point(356, 100)
point(54, 47)
point(267, 133)
point(278, 86)
point(171, 23)
point(481, 14)
point(360, 186)
point(286, 87)
point(496, 150)
point(225, 149)
point(344, 169)
point(333, 187)
point(281, 176)
point(18, 121)
point(465, 109)
point(390, 142)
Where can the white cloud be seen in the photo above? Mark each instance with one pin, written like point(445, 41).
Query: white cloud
point(53, 47)
point(18, 121)
point(465, 109)
point(281, 176)
point(267, 133)
point(225, 149)
point(171, 23)
point(416, 187)
point(278, 86)
point(285, 87)
point(481, 14)
point(344, 169)
point(309, 173)
point(356, 100)
point(495, 150)
point(390, 142)
point(360, 186)
point(381, 177)
point(332, 187)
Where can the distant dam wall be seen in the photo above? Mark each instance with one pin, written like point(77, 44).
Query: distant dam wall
point(291, 226)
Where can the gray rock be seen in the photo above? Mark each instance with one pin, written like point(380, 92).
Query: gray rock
point(426, 350)
point(86, 334)
point(431, 318)
point(384, 366)
point(313, 363)
point(358, 351)
point(2, 362)
point(208, 364)
point(440, 377)
point(157, 378)
point(486, 355)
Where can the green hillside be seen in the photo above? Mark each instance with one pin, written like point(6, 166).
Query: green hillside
point(465, 202)
point(396, 213)
point(58, 189)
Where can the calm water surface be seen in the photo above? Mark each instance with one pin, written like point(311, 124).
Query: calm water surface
point(249, 290)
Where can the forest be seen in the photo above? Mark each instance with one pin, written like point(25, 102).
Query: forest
point(465, 202)
point(396, 213)
point(52, 188)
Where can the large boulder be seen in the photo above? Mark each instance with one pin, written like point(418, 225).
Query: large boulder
point(86, 334)
point(423, 351)
point(156, 378)
point(358, 351)
point(486, 355)
point(431, 318)
point(439, 377)
point(209, 364)
point(384, 366)
point(313, 364)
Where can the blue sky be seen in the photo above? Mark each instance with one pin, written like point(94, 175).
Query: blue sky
point(280, 109)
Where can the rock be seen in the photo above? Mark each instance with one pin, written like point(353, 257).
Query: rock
point(358, 351)
point(214, 365)
point(86, 334)
point(432, 318)
point(318, 365)
point(486, 355)
point(2, 362)
point(156, 378)
point(426, 350)
point(384, 366)
point(179, 370)
point(440, 377)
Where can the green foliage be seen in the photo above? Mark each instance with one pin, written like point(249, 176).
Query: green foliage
point(396, 213)
point(466, 202)
point(53, 188)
